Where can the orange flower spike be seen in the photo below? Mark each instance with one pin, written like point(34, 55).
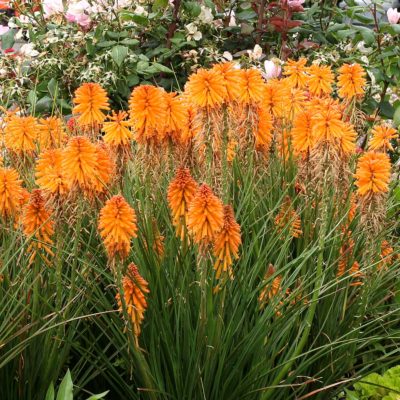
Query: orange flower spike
point(356, 274)
point(105, 168)
point(327, 124)
point(288, 217)
point(275, 95)
point(347, 139)
point(49, 173)
point(181, 191)
point(206, 88)
point(147, 110)
point(226, 244)
point(296, 72)
point(21, 134)
point(135, 289)
point(270, 291)
point(386, 255)
point(373, 174)
point(263, 133)
point(381, 137)
point(79, 162)
point(117, 226)
point(252, 87)
point(302, 135)
point(320, 80)
point(205, 216)
point(37, 224)
point(117, 130)
point(176, 117)
point(11, 192)
point(51, 133)
point(90, 101)
point(192, 127)
point(233, 79)
point(351, 81)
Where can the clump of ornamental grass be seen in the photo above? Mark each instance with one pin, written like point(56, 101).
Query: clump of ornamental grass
point(234, 223)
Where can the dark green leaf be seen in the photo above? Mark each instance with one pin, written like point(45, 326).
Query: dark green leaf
point(246, 15)
point(52, 87)
point(387, 109)
point(192, 8)
point(7, 40)
point(117, 35)
point(132, 80)
point(119, 53)
point(106, 43)
point(130, 42)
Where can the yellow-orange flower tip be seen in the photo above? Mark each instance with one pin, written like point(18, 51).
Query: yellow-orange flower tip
point(51, 133)
point(79, 162)
point(147, 110)
point(275, 97)
point(104, 171)
point(302, 135)
point(135, 291)
point(176, 117)
point(351, 81)
point(117, 130)
point(90, 101)
point(327, 125)
point(320, 80)
point(117, 226)
point(347, 139)
point(373, 174)
point(206, 88)
point(382, 135)
point(21, 134)
point(252, 87)
point(271, 290)
point(263, 133)
point(233, 79)
point(49, 172)
point(11, 192)
point(296, 72)
point(226, 244)
point(205, 216)
point(37, 223)
point(181, 191)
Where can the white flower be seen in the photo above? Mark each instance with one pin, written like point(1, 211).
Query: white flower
point(3, 74)
point(206, 16)
point(193, 32)
point(362, 49)
point(28, 50)
point(51, 7)
point(256, 53)
point(272, 68)
point(365, 60)
point(139, 10)
point(393, 16)
point(232, 20)
point(228, 56)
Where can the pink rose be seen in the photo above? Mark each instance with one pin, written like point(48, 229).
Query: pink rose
point(51, 7)
point(3, 29)
point(393, 16)
point(295, 3)
point(272, 69)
